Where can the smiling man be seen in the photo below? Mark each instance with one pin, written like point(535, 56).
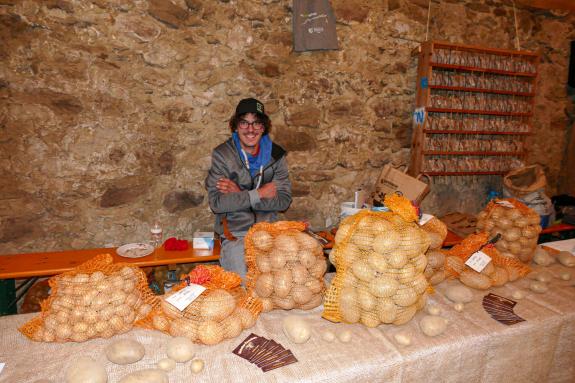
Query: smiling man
point(248, 181)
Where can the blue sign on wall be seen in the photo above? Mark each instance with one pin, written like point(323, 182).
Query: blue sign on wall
point(424, 83)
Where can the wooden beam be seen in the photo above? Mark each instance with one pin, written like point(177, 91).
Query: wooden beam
point(567, 5)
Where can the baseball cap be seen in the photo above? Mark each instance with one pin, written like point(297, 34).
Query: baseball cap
point(250, 105)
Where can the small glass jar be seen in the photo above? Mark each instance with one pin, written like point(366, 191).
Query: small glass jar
point(156, 235)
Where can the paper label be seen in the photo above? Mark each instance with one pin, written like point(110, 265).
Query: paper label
point(185, 296)
point(505, 204)
point(478, 261)
point(2, 367)
point(424, 219)
point(419, 116)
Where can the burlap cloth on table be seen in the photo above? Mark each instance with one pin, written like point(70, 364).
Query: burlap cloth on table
point(475, 348)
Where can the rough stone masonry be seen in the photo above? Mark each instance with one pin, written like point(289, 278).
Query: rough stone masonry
point(109, 109)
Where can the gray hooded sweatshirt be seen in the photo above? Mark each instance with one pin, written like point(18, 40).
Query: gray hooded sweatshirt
point(243, 209)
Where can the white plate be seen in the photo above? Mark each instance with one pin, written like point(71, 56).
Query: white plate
point(135, 250)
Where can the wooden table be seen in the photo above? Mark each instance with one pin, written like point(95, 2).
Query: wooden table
point(34, 265)
point(45, 264)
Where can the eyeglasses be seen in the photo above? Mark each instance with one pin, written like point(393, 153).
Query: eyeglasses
point(256, 125)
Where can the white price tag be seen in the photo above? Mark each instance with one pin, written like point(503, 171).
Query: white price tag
point(478, 261)
point(505, 204)
point(424, 219)
point(185, 296)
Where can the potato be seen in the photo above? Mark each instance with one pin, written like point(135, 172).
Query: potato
point(180, 349)
point(296, 329)
point(282, 283)
point(432, 325)
point(217, 305)
point(538, 287)
point(566, 259)
point(475, 280)
point(262, 240)
point(402, 339)
point(459, 294)
point(211, 332)
point(125, 351)
point(150, 375)
point(86, 370)
point(301, 294)
point(166, 364)
point(344, 336)
point(197, 365)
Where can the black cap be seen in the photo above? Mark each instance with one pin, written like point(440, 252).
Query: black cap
point(250, 105)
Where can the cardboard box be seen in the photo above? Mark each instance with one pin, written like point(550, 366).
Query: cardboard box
point(392, 180)
point(203, 240)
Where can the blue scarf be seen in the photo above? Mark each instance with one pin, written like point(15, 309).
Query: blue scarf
point(255, 163)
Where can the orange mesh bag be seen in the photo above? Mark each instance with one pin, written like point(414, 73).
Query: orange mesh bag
point(499, 271)
point(380, 260)
point(221, 312)
point(285, 266)
point(518, 225)
point(98, 299)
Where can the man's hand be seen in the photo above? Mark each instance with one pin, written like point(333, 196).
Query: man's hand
point(226, 185)
point(268, 190)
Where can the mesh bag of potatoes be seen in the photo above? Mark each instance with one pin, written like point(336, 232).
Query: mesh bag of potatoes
point(379, 260)
point(437, 232)
point(221, 312)
point(498, 272)
point(98, 299)
point(285, 266)
point(518, 225)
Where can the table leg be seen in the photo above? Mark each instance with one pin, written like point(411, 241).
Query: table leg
point(7, 296)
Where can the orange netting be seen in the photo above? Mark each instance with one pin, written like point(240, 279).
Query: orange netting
point(499, 271)
point(401, 206)
point(285, 266)
point(221, 312)
point(517, 224)
point(380, 259)
point(98, 299)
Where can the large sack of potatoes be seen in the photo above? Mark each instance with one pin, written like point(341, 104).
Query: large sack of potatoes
point(518, 225)
point(221, 312)
point(379, 259)
point(98, 299)
point(286, 266)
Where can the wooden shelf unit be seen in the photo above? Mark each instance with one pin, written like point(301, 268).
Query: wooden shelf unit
point(499, 85)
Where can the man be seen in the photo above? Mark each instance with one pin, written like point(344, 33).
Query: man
point(247, 183)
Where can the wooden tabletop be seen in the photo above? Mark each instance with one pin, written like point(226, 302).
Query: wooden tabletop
point(44, 264)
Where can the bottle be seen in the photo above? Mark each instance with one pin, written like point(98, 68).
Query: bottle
point(171, 281)
point(156, 235)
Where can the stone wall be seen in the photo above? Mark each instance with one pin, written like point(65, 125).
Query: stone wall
point(109, 108)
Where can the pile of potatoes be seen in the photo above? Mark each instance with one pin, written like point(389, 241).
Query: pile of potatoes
point(380, 259)
point(289, 270)
point(491, 275)
point(212, 317)
point(93, 305)
point(519, 229)
point(498, 271)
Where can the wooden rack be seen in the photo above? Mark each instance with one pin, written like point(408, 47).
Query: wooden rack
point(478, 107)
